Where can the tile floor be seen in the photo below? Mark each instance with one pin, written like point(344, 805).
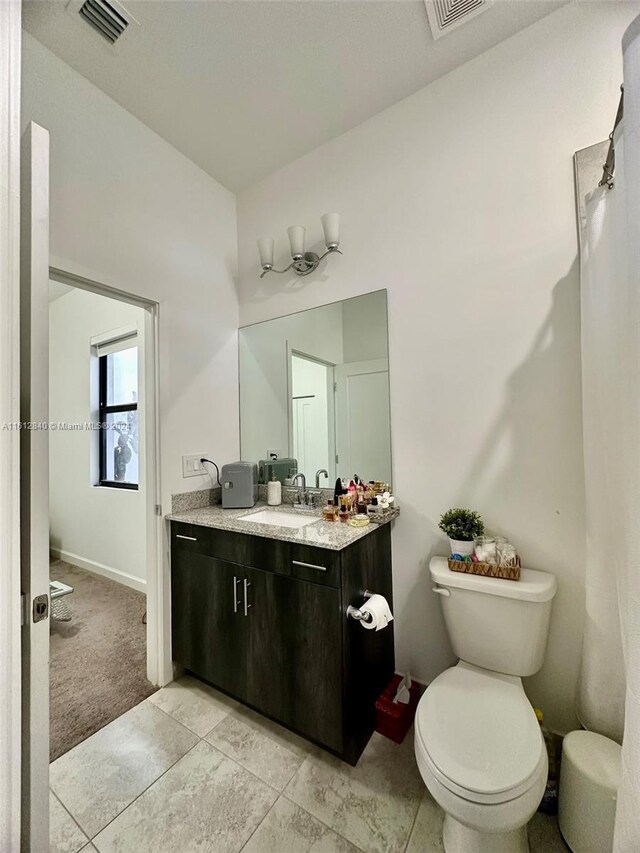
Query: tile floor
point(191, 770)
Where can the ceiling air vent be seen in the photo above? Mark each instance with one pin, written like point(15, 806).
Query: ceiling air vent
point(104, 18)
point(447, 15)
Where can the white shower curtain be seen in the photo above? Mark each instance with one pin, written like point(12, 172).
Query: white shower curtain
point(604, 286)
point(609, 691)
point(627, 837)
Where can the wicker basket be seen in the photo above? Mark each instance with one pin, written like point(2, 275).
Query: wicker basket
point(489, 570)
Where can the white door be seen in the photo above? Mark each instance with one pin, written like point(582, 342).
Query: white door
point(363, 436)
point(311, 401)
point(311, 415)
point(34, 485)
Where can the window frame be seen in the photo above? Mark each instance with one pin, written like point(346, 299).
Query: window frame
point(105, 409)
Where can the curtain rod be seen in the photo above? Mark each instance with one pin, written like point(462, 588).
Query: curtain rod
point(609, 165)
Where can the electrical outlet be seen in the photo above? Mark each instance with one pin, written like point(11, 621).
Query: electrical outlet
point(277, 454)
point(192, 467)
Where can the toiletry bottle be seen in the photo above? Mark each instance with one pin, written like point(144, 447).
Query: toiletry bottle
point(344, 509)
point(337, 493)
point(329, 512)
point(274, 491)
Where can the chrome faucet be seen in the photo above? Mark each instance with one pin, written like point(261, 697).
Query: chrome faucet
point(304, 499)
point(318, 473)
point(303, 488)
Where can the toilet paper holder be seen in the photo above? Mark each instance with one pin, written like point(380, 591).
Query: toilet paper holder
point(356, 613)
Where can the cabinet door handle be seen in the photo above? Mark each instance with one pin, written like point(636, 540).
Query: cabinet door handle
point(309, 566)
point(247, 584)
point(190, 538)
point(235, 595)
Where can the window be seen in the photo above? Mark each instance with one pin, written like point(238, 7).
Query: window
point(118, 413)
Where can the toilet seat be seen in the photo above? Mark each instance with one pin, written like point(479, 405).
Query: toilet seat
point(478, 735)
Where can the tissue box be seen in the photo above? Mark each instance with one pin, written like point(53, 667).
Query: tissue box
point(393, 719)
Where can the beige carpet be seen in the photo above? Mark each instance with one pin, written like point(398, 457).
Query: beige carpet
point(98, 659)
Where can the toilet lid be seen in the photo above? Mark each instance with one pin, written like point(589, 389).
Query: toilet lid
point(479, 730)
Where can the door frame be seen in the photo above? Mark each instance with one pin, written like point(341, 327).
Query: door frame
point(34, 483)
point(155, 587)
point(10, 583)
point(331, 405)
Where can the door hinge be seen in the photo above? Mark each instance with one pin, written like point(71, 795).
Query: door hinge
point(337, 459)
point(335, 387)
point(158, 509)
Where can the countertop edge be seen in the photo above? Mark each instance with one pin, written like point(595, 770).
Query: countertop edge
point(212, 517)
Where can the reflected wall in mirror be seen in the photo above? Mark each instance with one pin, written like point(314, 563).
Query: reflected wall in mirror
point(314, 389)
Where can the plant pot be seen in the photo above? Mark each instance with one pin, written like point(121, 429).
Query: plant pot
point(465, 549)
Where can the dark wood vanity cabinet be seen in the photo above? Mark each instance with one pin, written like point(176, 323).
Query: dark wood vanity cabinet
point(265, 621)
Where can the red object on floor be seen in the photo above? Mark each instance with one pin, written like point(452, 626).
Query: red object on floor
point(393, 720)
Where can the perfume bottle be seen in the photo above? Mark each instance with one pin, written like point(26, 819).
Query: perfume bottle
point(329, 512)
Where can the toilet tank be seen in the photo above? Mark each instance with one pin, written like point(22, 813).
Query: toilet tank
point(500, 625)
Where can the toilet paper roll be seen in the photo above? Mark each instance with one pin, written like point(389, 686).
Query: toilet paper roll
point(378, 607)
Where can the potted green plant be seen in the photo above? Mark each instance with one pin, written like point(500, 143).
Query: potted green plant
point(462, 526)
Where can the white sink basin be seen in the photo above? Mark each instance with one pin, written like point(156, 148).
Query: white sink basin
point(279, 519)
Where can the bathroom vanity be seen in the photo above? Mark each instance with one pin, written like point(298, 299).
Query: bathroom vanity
point(259, 611)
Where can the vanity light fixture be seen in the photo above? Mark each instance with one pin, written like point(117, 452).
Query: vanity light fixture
point(302, 262)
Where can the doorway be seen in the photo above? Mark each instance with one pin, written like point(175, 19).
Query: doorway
point(311, 413)
point(338, 416)
point(98, 482)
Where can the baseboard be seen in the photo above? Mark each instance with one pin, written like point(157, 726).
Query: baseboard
point(100, 569)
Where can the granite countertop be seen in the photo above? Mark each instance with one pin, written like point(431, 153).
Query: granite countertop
point(334, 535)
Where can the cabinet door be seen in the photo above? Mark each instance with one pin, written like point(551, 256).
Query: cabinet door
point(294, 664)
point(209, 626)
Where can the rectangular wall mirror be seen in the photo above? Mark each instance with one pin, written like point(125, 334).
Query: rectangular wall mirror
point(314, 392)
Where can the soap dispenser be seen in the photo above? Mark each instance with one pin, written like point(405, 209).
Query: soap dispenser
point(274, 491)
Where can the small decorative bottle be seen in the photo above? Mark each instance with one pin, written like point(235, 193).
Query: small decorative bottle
point(274, 491)
point(344, 510)
point(329, 512)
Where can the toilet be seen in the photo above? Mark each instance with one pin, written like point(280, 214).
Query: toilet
point(478, 743)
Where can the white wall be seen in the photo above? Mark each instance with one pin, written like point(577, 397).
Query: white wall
point(129, 211)
point(459, 200)
point(102, 527)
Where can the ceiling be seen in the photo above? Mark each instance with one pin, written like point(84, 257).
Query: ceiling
point(243, 87)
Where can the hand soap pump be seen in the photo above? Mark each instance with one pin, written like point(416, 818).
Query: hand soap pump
point(274, 491)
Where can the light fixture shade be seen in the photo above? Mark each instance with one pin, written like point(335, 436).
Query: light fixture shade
point(265, 248)
point(331, 228)
point(296, 238)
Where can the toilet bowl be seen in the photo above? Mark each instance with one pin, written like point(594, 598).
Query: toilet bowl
point(478, 743)
point(481, 754)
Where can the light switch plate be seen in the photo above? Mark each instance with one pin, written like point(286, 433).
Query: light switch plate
point(192, 467)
